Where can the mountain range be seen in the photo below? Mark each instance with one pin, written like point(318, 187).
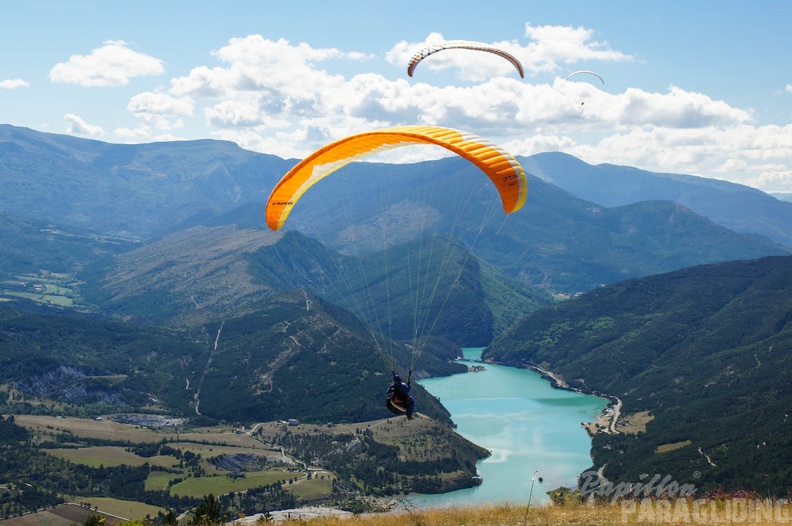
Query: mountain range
point(142, 276)
point(737, 207)
point(558, 241)
point(145, 190)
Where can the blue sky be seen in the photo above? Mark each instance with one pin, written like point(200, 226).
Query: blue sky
point(690, 87)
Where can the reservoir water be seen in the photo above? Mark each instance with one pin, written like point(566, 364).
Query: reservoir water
point(532, 430)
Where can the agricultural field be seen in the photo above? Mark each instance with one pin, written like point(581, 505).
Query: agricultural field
point(49, 288)
point(220, 485)
point(90, 429)
point(76, 513)
point(214, 461)
point(105, 429)
point(665, 448)
point(166, 464)
point(108, 456)
point(635, 423)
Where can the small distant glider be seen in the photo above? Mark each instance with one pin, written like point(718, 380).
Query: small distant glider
point(584, 71)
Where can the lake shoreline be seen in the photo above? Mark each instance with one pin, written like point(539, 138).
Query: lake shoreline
point(530, 425)
point(607, 420)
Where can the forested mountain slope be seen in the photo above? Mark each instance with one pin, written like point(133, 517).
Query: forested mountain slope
point(706, 350)
point(293, 357)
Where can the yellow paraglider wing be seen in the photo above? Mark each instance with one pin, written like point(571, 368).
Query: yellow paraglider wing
point(501, 167)
point(461, 44)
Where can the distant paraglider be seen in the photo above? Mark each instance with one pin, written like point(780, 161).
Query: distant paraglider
point(461, 44)
point(586, 72)
point(501, 167)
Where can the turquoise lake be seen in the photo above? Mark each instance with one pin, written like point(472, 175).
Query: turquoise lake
point(532, 430)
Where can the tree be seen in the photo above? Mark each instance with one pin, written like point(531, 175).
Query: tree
point(207, 512)
point(94, 520)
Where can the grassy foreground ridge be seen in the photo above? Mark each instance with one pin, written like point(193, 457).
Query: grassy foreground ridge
point(681, 511)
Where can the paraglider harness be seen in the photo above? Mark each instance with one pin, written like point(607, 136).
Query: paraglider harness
point(398, 401)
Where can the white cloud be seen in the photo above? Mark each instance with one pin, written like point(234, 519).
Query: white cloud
point(555, 46)
point(789, 88)
point(284, 142)
point(241, 114)
point(13, 84)
point(261, 66)
point(161, 104)
point(160, 110)
point(774, 178)
point(134, 135)
point(276, 97)
point(78, 126)
point(144, 133)
point(273, 85)
point(539, 144)
point(269, 85)
point(113, 64)
point(678, 108)
point(756, 156)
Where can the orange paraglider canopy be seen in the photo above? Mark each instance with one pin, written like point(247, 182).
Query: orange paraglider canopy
point(500, 166)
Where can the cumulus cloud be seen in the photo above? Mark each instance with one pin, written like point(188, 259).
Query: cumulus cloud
point(259, 65)
point(539, 143)
point(555, 46)
point(78, 126)
point(242, 113)
point(267, 85)
point(139, 134)
point(13, 84)
point(756, 156)
point(677, 108)
point(161, 110)
point(113, 64)
point(161, 104)
point(279, 97)
point(145, 133)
